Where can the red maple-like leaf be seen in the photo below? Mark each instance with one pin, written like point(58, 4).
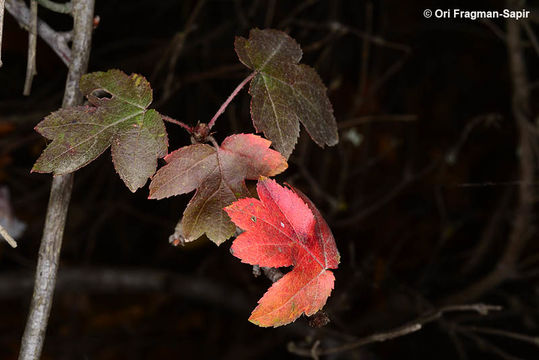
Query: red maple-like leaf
point(284, 228)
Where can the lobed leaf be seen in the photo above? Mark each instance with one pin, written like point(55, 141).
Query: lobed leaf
point(284, 228)
point(80, 134)
point(285, 93)
point(218, 175)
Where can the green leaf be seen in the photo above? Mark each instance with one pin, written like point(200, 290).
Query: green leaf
point(80, 134)
point(285, 93)
point(219, 176)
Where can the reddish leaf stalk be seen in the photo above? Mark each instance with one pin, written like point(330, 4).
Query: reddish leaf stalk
point(230, 98)
point(174, 121)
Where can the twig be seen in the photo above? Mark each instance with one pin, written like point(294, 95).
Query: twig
point(32, 43)
point(293, 14)
point(58, 41)
point(65, 8)
point(338, 27)
point(409, 328)
point(533, 340)
point(272, 273)
point(60, 195)
point(177, 47)
point(270, 13)
point(1, 27)
point(531, 36)
point(11, 241)
point(489, 233)
point(230, 98)
point(495, 29)
point(486, 119)
point(486, 346)
point(377, 119)
point(520, 233)
point(315, 186)
point(365, 57)
point(174, 121)
point(357, 217)
point(112, 281)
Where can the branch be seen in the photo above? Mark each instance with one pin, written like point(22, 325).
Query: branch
point(520, 233)
point(531, 36)
point(354, 219)
point(32, 42)
point(533, 340)
point(409, 328)
point(65, 8)
point(11, 241)
point(110, 281)
point(273, 274)
point(177, 47)
point(51, 242)
point(58, 41)
point(1, 27)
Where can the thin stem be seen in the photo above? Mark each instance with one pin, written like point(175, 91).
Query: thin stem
point(1, 27)
point(32, 43)
point(177, 48)
point(232, 96)
point(11, 241)
point(533, 340)
point(58, 41)
point(60, 195)
point(174, 121)
point(531, 36)
point(409, 328)
point(213, 142)
point(65, 8)
point(524, 220)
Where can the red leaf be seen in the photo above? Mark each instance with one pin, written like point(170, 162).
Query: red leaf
point(219, 176)
point(284, 228)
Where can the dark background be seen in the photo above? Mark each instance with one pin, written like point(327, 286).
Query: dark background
point(421, 207)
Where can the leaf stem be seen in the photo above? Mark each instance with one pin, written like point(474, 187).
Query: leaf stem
point(230, 98)
point(7, 237)
point(174, 121)
point(213, 142)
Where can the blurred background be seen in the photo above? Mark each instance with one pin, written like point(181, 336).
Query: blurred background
point(430, 193)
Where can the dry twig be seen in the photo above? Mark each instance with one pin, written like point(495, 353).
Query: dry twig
point(520, 233)
point(1, 27)
point(32, 43)
point(62, 8)
point(409, 328)
point(58, 41)
point(10, 240)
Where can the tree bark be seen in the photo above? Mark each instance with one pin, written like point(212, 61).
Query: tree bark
point(60, 195)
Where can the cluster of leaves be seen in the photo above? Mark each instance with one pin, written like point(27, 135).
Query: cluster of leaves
point(283, 228)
